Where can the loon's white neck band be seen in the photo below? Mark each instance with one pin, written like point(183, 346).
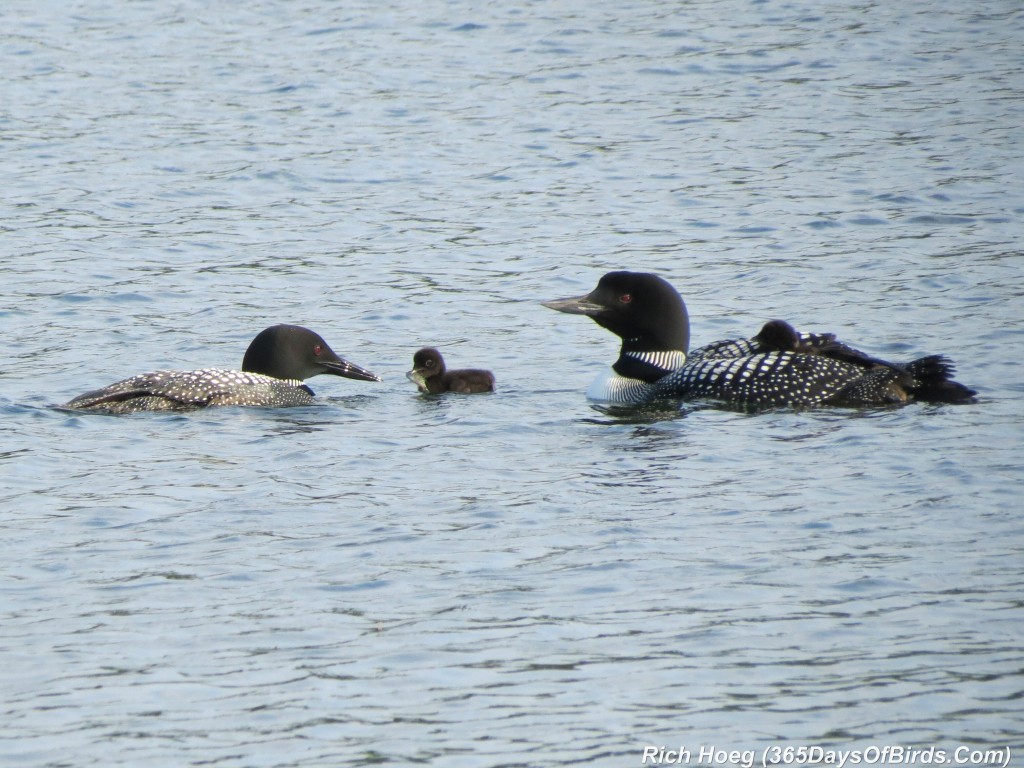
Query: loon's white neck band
point(666, 359)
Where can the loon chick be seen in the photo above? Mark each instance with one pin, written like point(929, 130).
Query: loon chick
point(274, 366)
point(430, 375)
point(780, 336)
point(778, 367)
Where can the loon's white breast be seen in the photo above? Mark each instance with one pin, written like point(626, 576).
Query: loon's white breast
point(612, 389)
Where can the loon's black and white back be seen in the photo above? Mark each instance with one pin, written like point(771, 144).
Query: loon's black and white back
point(273, 369)
point(776, 368)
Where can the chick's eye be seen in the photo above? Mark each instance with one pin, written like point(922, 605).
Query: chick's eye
point(625, 298)
point(317, 350)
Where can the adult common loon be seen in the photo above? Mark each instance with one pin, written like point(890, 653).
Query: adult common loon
point(778, 367)
point(430, 375)
point(274, 366)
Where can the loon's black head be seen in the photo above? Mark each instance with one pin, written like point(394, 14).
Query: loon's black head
point(644, 310)
point(294, 352)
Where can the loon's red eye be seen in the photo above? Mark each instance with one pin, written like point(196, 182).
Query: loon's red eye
point(625, 298)
point(317, 349)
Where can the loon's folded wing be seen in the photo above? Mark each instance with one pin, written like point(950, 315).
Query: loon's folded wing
point(765, 380)
point(160, 385)
point(166, 391)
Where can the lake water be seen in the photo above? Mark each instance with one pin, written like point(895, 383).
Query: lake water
point(513, 579)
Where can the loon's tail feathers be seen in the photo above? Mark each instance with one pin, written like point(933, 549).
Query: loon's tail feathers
point(927, 379)
point(933, 381)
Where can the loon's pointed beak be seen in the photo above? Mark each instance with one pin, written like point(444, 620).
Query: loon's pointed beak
point(342, 367)
point(578, 305)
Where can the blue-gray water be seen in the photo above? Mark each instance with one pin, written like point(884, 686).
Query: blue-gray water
point(517, 578)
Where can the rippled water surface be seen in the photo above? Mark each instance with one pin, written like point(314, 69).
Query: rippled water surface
point(516, 578)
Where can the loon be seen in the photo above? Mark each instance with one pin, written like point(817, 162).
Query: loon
point(274, 366)
point(778, 367)
point(430, 375)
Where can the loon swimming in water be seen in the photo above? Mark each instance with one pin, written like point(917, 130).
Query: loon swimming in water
point(778, 367)
point(275, 365)
point(430, 375)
